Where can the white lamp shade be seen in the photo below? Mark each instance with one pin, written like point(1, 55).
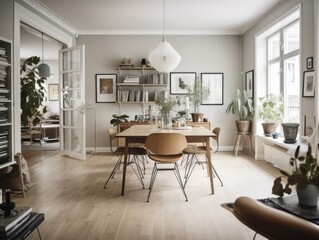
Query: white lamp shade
point(164, 58)
point(44, 70)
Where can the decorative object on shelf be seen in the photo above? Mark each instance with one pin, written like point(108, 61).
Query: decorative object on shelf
point(308, 87)
point(275, 135)
point(32, 91)
point(180, 82)
point(309, 62)
point(305, 176)
point(106, 88)
point(44, 69)
point(242, 106)
point(143, 62)
point(270, 109)
point(164, 57)
point(117, 119)
point(290, 132)
point(249, 83)
point(197, 93)
point(126, 62)
point(214, 83)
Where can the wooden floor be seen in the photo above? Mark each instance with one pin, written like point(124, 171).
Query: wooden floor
point(76, 206)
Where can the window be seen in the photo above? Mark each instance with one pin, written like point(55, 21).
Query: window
point(283, 67)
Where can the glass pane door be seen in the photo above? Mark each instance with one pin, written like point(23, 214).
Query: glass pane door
point(72, 102)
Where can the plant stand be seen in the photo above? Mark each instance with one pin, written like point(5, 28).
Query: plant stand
point(239, 136)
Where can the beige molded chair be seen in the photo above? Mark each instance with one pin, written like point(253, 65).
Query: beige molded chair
point(272, 223)
point(165, 148)
point(136, 154)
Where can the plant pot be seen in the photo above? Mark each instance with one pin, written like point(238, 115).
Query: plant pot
point(290, 132)
point(269, 128)
point(197, 117)
point(243, 125)
point(308, 196)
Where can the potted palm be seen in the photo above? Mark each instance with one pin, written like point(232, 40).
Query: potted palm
point(270, 109)
point(242, 106)
point(305, 176)
point(197, 94)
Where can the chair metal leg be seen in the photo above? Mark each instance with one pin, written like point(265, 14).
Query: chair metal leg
point(153, 177)
point(214, 170)
point(179, 179)
point(116, 167)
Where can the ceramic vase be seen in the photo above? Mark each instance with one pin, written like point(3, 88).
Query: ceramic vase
point(308, 197)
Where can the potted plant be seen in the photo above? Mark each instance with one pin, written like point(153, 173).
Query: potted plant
point(242, 106)
point(32, 92)
point(305, 176)
point(165, 106)
point(270, 109)
point(117, 119)
point(197, 93)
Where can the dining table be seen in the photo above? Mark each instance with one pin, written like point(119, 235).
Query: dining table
point(139, 133)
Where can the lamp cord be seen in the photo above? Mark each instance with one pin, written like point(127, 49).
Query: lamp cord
point(42, 50)
point(164, 40)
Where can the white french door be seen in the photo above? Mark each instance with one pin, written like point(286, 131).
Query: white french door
point(72, 102)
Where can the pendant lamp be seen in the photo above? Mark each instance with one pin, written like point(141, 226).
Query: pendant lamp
point(44, 69)
point(164, 57)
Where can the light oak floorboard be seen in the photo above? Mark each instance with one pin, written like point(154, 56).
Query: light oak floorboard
point(70, 192)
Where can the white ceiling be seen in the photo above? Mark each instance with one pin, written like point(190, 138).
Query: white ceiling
point(145, 16)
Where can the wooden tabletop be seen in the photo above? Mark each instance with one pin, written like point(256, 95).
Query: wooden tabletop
point(145, 130)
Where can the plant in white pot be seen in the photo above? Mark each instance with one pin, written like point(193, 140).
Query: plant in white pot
point(305, 176)
point(197, 94)
point(270, 109)
point(242, 106)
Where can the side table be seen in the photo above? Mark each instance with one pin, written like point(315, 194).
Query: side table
point(239, 137)
point(24, 229)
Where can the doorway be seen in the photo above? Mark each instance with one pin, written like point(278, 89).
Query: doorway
point(35, 43)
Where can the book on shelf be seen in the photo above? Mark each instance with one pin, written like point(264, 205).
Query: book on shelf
point(4, 90)
point(17, 217)
point(3, 51)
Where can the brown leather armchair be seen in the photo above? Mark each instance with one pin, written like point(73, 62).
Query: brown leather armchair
point(272, 223)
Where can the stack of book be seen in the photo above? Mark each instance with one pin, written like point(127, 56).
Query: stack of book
point(20, 223)
point(131, 79)
point(3, 57)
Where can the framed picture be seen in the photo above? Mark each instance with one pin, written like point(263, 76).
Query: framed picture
point(180, 81)
point(309, 62)
point(214, 82)
point(53, 90)
point(308, 89)
point(249, 83)
point(106, 88)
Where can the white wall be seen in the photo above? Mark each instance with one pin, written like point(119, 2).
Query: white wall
point(199, 54)
point(307, 45)
point(53, 106)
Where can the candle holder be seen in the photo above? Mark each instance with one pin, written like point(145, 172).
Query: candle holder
point(7, 206)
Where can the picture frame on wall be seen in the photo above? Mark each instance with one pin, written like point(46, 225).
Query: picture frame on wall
point(53, 92)
point(106, 87)
point(249, 83)
point(309, 62)
point(181, 81)
point(214, 82)
point(308, 86)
